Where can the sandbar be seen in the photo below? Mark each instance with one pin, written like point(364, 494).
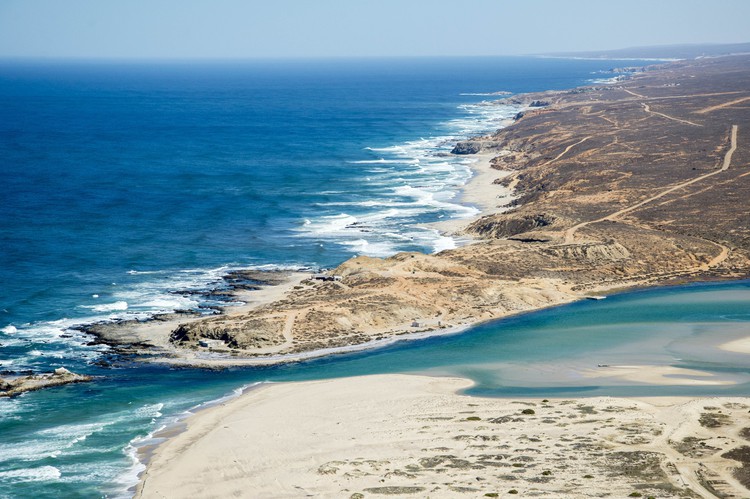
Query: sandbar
point(413, 436)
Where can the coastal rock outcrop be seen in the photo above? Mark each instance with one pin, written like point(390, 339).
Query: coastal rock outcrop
point(10, 387)
point(237, 333)
point(594, 252)
point(467, 147)
point(504, 226)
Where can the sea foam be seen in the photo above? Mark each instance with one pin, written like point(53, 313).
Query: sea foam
point(40, 474)
point(405, 186)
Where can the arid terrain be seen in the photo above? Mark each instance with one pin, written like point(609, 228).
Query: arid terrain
point(410, 436)
point(635, 183)
point(638, 183)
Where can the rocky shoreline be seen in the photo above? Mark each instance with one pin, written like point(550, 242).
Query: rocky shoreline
point(638, 183)
point(12, 386)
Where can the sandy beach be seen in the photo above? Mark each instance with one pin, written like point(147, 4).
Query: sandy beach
point(412, 436)
point(481, 191)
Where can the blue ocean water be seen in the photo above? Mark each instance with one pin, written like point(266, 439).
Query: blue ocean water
point(129, 185)
point(127, 181)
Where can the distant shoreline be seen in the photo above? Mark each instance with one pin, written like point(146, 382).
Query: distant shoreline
point(661, 52)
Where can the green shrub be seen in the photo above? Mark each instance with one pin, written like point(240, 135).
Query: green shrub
point(528, 411)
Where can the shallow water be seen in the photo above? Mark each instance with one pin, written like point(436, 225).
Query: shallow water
point(80, 439)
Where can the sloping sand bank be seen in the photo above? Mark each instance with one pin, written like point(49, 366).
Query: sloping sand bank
point(412, 436)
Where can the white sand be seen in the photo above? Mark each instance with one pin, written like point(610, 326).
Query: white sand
point(657, 375)
point(413, 437)
point(741, 345)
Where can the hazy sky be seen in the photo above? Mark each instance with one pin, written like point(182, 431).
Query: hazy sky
point(301, 28)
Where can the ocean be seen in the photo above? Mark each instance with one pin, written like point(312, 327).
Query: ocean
point(131, 188)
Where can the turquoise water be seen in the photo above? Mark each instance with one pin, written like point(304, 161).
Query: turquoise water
point(84, 446)
point(130, 189)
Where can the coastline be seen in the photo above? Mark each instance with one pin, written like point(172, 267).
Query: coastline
point(535, 243)
point(608, 197)
point(480, 191)
point(403, 434)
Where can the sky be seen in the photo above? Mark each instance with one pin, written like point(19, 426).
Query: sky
point(143, 29)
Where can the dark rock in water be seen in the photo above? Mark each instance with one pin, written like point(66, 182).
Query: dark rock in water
point(628, 69)
point(238, 279)
point(467, 147)
point(222, 295)
point(10, 387)
point(177, 314)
